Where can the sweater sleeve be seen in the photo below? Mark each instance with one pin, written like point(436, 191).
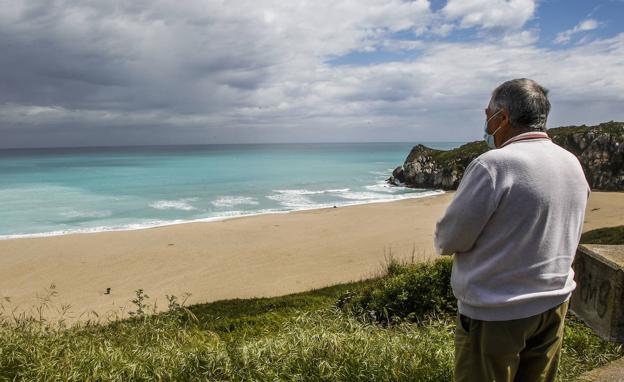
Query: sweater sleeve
point(469, 211)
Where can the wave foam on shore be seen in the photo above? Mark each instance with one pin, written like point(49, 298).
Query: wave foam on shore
point(226, 214)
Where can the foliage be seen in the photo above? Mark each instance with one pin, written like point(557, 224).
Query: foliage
point(583, 350)
point(464, 154)
point(612, 127)
point(408, 292)
point(140, 303)
point(607, 236)
point(299, 337)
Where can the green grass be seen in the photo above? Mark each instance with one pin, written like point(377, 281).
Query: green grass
point(607, 236)
point(464, 154)
point(583, 350)
point(408, 292)
point(612, 127)
point(298, 337)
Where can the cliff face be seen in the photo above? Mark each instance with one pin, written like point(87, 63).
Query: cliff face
point(600, 149)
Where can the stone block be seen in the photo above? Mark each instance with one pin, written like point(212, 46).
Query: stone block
point(598, 299)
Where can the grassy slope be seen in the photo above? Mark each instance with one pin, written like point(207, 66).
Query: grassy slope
point(608, 236)
point(295, 337)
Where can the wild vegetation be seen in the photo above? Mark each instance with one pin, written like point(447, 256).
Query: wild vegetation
point(398, 327)
point(606, 236)
point(596, 147)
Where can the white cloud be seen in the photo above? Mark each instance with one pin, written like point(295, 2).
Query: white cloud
point(442, 29)
point(525, 37)
point(260, 70)
point(199, 56)
point(585, 25)
point(489, 14)
point(401, 45)
point(456, 76)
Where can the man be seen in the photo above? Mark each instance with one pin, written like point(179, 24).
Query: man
point(514, 225)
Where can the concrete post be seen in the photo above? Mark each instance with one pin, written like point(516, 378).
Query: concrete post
point(598, 299)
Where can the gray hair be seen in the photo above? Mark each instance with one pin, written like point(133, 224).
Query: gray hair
point(526, 102)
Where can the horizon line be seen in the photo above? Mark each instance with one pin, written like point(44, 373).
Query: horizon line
point(215, 144)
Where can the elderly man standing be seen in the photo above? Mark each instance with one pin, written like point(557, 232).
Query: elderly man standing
point(514, 225)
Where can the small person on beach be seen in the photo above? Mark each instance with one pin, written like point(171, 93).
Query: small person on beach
point(514, 225)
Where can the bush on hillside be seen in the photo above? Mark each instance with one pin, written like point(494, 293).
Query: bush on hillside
point(408, 292)
point(607, 236)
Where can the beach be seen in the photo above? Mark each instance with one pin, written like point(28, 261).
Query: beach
point(254, 256)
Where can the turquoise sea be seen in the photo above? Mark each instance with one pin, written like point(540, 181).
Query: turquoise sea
point(58, 191)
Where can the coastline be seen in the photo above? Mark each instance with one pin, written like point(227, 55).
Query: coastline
point(158, 224)
point(250, 256)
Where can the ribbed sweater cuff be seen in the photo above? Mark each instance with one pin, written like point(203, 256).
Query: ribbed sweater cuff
point(512, 311)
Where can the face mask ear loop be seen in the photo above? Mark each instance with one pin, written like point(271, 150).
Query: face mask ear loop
point(489, 138)
point(493, 115)
point(496, 131)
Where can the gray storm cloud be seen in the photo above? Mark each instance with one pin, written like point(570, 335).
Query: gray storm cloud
point(93, 72)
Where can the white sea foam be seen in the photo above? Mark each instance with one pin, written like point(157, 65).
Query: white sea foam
point(363, 195)
point(144, 225)
point(390, 195)
point(180, 204)
point(300, 198)
point(338, 190)
point(224, 216)
point(383, 187)
point(73, 214)
point(231, 201)
point(291, 200)
point(311, 192)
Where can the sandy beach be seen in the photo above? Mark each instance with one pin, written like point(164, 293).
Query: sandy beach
point(264, 255)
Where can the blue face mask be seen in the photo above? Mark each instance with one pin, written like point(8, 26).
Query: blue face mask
point(487, 137)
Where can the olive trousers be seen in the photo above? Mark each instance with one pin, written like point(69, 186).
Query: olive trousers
point(526, 349)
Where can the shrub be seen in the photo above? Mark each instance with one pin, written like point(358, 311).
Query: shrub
point(608, 236)
point(407, 292)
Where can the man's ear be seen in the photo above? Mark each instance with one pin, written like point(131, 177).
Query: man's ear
point(504, 118)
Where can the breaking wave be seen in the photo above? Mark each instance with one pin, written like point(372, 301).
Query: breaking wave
point(180, 204)
point(231, 201)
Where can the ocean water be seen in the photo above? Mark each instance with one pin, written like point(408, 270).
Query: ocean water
point(59, 191)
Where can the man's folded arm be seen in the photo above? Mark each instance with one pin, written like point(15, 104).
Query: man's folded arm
point(469, 211)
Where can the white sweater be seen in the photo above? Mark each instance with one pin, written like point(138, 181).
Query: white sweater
point(514, 225)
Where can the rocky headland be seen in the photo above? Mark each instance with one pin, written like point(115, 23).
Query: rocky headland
point(600, 149)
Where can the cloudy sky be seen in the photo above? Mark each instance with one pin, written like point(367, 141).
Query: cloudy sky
point(93, 73)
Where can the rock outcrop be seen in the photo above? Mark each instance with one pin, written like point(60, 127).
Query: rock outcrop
point(600, 149)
